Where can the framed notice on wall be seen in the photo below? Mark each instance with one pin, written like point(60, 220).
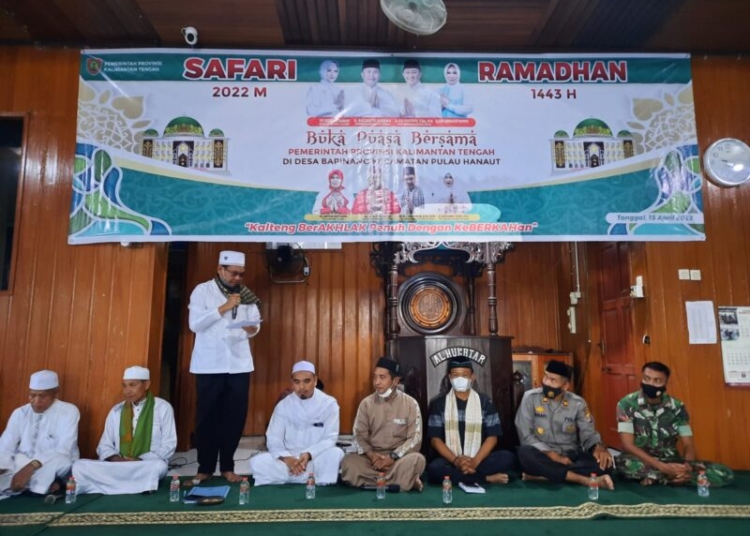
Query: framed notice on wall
point(734, 327)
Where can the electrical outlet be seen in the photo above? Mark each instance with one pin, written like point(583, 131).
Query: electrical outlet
point(683, 274)
point(695, 275)
point(306, 271)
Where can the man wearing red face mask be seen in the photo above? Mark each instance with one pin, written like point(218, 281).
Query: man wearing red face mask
point(651, 423)
point(558, 439)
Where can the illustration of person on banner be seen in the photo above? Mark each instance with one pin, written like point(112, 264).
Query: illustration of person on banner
point(450, 197)
point(412, 197)
point(453, 99)
point(376, 198)
point(326, 98)
point(419, 100)
point(332, 200)
point(370, 99)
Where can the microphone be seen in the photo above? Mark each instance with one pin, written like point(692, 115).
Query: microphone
point(235, 290)
point(390, 488)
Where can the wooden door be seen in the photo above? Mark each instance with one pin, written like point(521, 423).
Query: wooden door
point(618, 355)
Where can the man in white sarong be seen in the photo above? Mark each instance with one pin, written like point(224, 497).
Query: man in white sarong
point(301, 436)
point(41, 440)
point(139, 438)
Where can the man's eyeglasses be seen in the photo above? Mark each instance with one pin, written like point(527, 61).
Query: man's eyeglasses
point(233, 273)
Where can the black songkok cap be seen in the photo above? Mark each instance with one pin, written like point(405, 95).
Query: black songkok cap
point(558, 367)
point(375, 64)
point(411, 64)
point(389, 364)
point(460, 362)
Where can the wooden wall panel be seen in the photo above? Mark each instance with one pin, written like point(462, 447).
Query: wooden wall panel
point(527, 291)
point(717, 411)
point(86, 312)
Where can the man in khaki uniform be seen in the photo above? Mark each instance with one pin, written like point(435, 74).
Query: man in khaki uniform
point(388, 434)
point(558, 439)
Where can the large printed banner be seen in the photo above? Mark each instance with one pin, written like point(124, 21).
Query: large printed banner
point(217, 145)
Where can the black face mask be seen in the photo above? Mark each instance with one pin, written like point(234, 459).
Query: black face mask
point(551, 392)
point(652, 391)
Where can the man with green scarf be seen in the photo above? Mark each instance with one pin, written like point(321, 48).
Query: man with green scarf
point(138, 440)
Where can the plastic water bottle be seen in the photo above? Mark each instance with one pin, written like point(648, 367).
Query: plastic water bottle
point(71, 490)
point(380, 486)
point(174, 489)
point(703, 484)
point(593, 487)
point(447, 490)
point(310, 490)
point(244, 491)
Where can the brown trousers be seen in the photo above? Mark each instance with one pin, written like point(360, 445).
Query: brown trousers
point(356, 470)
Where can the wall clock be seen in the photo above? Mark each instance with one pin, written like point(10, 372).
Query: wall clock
point(727, 162)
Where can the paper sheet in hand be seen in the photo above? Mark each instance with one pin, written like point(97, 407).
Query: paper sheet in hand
point(198, 492)
point(471, 488)
point(244, 324)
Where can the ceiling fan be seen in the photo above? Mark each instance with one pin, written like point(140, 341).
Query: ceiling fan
point(420, 17)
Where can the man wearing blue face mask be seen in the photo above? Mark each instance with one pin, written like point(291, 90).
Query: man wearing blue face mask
point(558, 439)
point(463, 428)
point(651, 423)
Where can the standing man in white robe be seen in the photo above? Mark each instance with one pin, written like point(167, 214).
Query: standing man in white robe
point(41, 440)
point(222, 363)
point(132, 458)
point(301, 436)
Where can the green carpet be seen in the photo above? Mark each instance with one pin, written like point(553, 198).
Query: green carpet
point(631, 508)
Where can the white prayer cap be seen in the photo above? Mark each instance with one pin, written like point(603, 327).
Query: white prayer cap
point(136, 373)
point(303, 366)
point(232, 258)
point(43, 380)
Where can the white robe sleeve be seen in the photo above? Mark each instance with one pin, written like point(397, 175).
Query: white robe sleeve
point(10, 439)
point(202, 313)
point(275, 433)
point(109, 444)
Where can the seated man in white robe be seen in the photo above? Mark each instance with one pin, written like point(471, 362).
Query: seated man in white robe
point(138, 440)
point(301, 436)
point(41, 441)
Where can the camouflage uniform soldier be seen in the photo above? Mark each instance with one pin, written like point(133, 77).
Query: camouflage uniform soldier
point(650, 423)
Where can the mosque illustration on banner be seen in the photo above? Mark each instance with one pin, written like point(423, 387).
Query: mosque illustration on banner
point(185, 144)
point(592, 145)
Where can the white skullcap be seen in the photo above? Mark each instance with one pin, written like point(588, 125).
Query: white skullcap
point(232, 258)
point(43, 380)
point(303, 366)
point(136, 373)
